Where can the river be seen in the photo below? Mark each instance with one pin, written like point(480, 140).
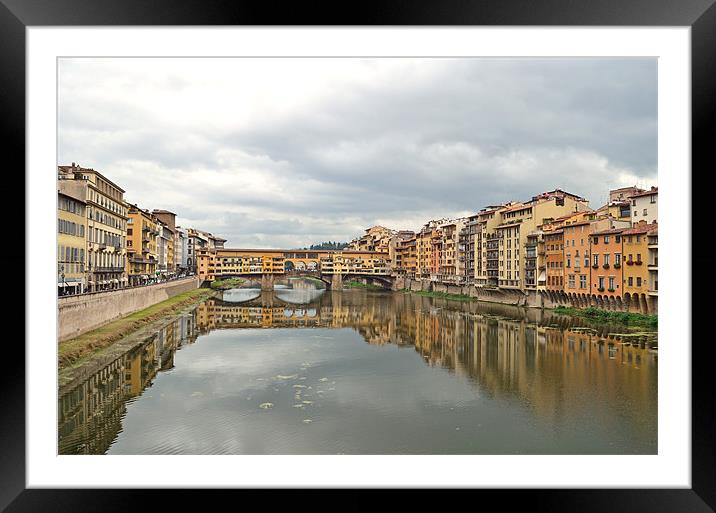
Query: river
point(301, 371)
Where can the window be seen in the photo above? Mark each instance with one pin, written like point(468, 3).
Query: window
point(652, 199)
point(630, 281)
point(644, 213)
point(582, 281)
point(571, 281)
point(611, 282)
point(569, 262)
point(617, 259)
point(638, 257)
point(617, 238)
point(596, 259)
point(606, 239)
point(638, 281)
point(596, 240)
point(606, 259)
point(601, 282)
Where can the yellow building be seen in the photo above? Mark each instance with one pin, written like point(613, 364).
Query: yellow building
point(636, 262)
point(424, 249)
point(449, 269)
point(653, 263)
point(142, 256)
point(106, 227)
point(505, 235)
point(71, 237)
point(376, 238)
point(403, 256)
point(487, 246)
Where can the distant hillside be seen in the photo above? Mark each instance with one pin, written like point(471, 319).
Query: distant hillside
point(329, 245)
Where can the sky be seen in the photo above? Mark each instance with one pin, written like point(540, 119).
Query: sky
point(284, 153)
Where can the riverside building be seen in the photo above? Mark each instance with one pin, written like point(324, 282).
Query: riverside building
point(71, 237)
point(142, 251)
point(106, 228)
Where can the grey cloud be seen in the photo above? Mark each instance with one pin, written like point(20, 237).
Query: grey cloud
point(417, 140)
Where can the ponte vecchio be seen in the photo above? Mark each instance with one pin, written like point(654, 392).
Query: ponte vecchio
point(330, 266)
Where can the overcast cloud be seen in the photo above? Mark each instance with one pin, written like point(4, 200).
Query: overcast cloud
point(290, 152)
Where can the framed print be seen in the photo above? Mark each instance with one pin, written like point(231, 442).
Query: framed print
point(417, 248)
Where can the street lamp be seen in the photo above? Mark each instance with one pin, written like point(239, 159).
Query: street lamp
point(62, 276)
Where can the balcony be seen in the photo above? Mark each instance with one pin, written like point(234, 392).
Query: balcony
point(108, 269)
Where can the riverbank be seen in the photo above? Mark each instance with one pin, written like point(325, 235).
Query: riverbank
point(595, 314)
point(76, 350)
point(359, 285)
point(441, 295)
point(230, 283)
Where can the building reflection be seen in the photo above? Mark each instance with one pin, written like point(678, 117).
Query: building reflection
point(542, 360)
point(90, 414)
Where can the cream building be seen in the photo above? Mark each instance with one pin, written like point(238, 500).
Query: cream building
point(71, 237)
point(106, 227)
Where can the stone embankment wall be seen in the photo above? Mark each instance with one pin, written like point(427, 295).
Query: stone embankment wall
point(539, 299)
point(80, 314)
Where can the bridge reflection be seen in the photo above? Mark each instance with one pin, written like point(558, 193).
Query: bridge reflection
point(537, 358)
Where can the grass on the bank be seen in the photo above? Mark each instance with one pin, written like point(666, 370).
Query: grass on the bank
point(444, 295)
point(229, 283)
point(358, 285)
point(597, 314)
point(76, 349)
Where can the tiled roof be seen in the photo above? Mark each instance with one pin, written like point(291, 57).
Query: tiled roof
point(646, 193)
point(644, 228)
point(609, 232)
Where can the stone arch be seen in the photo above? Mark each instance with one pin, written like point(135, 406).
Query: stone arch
point(288, 266)
point(300, 265)
point(612, 302)
point(619, 303)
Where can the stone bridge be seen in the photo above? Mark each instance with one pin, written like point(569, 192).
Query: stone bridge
point(332, 267)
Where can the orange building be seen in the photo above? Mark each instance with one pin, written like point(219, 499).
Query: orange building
point(577, 265)
point(554, 259)
point(606, 257)
point(636, 250)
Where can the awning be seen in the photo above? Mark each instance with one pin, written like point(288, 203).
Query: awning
point(115, 280)
point(61, 285)
point(541, 276)
point(145, 277)
point(90, 283)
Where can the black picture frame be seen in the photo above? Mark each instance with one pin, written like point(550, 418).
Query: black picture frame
point(700, 15)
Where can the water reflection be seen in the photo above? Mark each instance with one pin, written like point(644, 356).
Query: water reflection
point(553, 373)
point(240, 295)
